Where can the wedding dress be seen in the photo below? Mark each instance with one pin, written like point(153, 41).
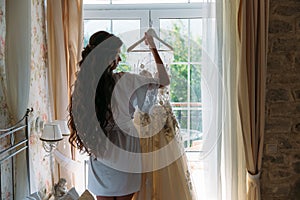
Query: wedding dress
point(166, 176)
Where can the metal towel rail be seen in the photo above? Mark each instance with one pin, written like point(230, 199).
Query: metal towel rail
point(20, 130)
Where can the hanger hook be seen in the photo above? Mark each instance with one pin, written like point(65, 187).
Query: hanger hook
point(151, 32)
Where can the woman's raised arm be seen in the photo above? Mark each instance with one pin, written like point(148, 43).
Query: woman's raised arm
point(163, 76)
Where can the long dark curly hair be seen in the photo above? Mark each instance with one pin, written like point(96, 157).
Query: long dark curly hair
point(105, 85)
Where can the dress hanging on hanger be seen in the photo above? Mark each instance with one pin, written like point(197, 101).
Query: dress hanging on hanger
point(158, 128)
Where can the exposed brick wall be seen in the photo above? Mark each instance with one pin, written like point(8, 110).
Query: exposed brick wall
point(281, 162)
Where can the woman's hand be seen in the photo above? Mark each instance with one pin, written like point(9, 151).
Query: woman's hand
point(149, 41)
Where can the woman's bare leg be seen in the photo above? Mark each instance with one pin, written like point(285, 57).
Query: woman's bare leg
point(127, 197)
point(105, 198)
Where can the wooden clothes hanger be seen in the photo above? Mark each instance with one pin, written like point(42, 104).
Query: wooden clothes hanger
point(151, 32)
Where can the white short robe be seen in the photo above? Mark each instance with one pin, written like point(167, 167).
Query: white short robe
point(106, 176)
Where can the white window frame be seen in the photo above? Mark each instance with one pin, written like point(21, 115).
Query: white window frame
point(149, 14)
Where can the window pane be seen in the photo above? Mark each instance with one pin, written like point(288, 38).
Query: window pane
point(147, 1)
point(178, 86)
point(122, 67)
point(196, 124)
point(195, 83)
point(199, 1)
point(196, 39)
point(92, 26)
point(176, 35)
point(195, 129)
point(127, 30)
point(96, 1)
point(181, 116)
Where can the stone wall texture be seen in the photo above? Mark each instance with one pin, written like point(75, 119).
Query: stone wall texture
point(281, 162)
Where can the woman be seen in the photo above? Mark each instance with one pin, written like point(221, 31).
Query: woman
point(111, 98)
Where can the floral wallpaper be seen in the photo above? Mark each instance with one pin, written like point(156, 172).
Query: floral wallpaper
point(3, 105)
point(6, 189)
point(38, 100)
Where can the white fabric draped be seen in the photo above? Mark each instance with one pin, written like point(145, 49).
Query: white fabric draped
point(67, 162)
point(17, 68)
point(17, 62)
point(64, 35)
point(211, 86)
point(224, 174)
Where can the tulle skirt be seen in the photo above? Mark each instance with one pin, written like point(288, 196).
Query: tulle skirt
point(172, 181)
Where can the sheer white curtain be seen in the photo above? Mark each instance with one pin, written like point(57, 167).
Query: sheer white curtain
point(222, 154)
point(211, 98)
point(17, 69)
